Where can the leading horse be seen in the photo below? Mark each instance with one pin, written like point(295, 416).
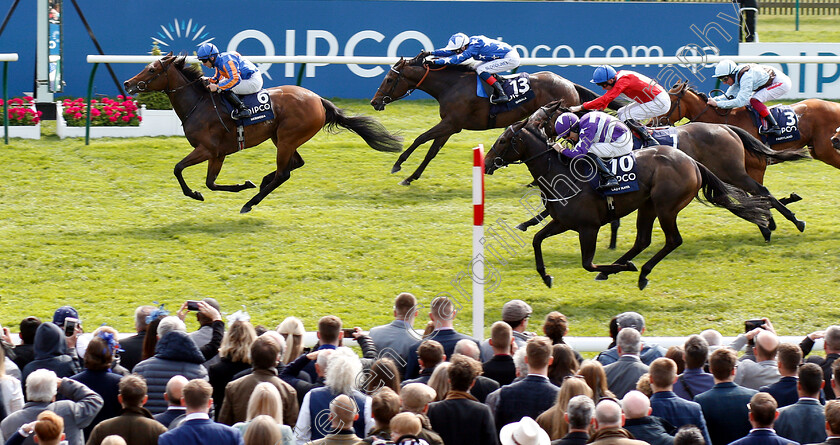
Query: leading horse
point(817, 120)
point(454, 87)
point(668, 180)
point(298, 115)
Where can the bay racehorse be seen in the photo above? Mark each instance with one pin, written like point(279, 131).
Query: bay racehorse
point(730, 152)
point(668, 181)
point(298, 115)
point(817, 120)
point(454, 87)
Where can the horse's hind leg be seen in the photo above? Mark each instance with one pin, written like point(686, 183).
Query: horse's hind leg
point(645, 218)
point(197, 156)
point(433, 151)
point(533, 221)
point(614, 225)
point(214, 166)
point(673, 239)
point(295, 163)
point(552, 228)
point(790, 216)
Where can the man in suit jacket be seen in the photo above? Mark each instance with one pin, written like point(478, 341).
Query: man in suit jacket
point(398, 337)
point(694, 380)
point(623, 374)
point(197, 428)
point(133, 346)
point(483, 385)
point(804, 421)
point(442, 315)
point(784, 391)
point(832, 422)
point(762, 415)
point(649, 351)
point(516, 314)
point(533, 394)
point(831, 345)
point(174, 397)
point(725, 405)
point(460, 419)
point(429, 355)
point(764, 370)
point(666, 404)
point(500, 368)
point(135, 424)
point(579, 415)
point(651, 429)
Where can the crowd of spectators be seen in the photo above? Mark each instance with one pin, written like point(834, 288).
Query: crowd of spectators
point(237, 383)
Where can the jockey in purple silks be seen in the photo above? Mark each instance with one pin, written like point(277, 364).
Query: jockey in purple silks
point(596, 135)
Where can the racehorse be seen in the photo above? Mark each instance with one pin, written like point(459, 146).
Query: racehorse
point(668, 180)
point(298, 115)
point(817, 120)
point(454, 87)
point(731, 153)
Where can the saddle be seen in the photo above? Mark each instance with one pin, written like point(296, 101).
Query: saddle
point(259, 103)
point(516, 86)
point(663, 135)
point(788, 123)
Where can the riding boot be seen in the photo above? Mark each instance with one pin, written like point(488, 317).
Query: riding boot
point(647, 139)
point(499, 95)
point(608, 179)
point(771, 126)
point(241, 110)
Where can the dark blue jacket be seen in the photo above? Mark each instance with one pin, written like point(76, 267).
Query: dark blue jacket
point(650, 429)
point(107, 385)
point(446, 337)
point(804, 422)
point(527, 397)
point(201, 432)
point(784, 391)
point(763, 437)
point(50, 353)
point(697, 382)
point(725, 410)
point(678, 411)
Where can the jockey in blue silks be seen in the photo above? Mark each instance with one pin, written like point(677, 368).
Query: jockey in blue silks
point(494, 57)
point(234, 75)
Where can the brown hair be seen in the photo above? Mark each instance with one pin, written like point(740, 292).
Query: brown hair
point(555, 326)
point(810, 378)
point(462, 372)
point(594, 376)
point(538, 351)
point(832, 416)
point(443, 309)
point(49, 426)
point(263, 430)
point(384, 405)
point(722, 363)
point(150, 340)
point(197, 393)
point(133, 389)
point(564, 363)
point(383, 374)
point(431, 352)
point(501, 334)
point(677, 354)
point(404, 304)
point(571, 387)
point(329, 327)
point(763, 408)
point(663, 371)
point(789, 356)
point(264, 352)
point(696, 352)
point(98, 355)
point(406, 423)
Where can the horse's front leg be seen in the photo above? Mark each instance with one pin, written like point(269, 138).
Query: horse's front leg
point(197, 156)
point(552, 228)
point(433, 151)
point(442, 128)
point(214, 166)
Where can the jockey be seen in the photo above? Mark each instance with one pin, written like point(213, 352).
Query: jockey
point(753, 84)
point(493, 57)
point(650, 99)
point(596, 135)
point(234, 75)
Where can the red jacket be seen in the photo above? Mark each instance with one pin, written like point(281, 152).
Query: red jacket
point(636, 86)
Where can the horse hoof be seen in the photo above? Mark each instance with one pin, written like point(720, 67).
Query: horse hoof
point(197, 196)
point(548, 280)
point(643, 282)
point(800, 225)
point(771, 224)
point(611, 247)
point(522, 227)
point(794, 198)
point(245, 209)
point(249, 185)
point(631, 267)
point(395, 169)
point(601, 277)
point(405, 182)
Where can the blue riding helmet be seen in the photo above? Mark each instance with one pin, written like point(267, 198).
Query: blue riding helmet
point(603, 74)
point(565, 123)
point(207, 50)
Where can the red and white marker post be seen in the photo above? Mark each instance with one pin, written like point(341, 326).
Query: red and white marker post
point(477, 262)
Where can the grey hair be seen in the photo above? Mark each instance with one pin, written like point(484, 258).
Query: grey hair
point(629, 340)
point(342, 369)
point(140, 315)
point(581, 409)
point(712, 337)
point(467, 347)
point(169, 324)
point(41, 386)
point(519, 362)
point(279, 339)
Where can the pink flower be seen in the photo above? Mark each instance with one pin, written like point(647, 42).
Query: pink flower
point(28, 98)
point(120, 97)
point(126, 118)
point(139, 118)
point(112, 118)
point(95, 112)
point(78, 116)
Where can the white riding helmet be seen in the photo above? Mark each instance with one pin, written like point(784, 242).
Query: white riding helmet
point(457, 41)
point(725, 68)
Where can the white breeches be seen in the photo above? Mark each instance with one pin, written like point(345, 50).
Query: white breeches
point(249, 86)
point(509, 62)
point(780, 86)
point(643, 111)
point(606, 150)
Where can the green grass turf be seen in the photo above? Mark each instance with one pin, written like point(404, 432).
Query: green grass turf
point(812, 28)
point(105, 228)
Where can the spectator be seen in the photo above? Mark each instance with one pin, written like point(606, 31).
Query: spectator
point(301, 383)
point(553, 420)
point(383, 373)
point(515, 313)
point(762, 415)
point(109, 332)
point(113, 440)
point(524, 432)
point(265, 354)
point(292, 331)
point(11, 394)
point(483, 385)
point(197, 428)
point(439, 381)
point(78, 407)
point(98, 377)
point(25, 351)
point(329, 337)
point(415, 399)
point(713, 338)
point(460, 419)
point(677, 354)
point(50, 353)
point(764, 370)
point(344, 413)
point(175, 354)
point(48, 429)
point(608, 425)
point(689, 435)
point(832, 422)
point(133, 346)
point(341, 371)
point(563, 364)
point(641, 424)
point(136, 424)
point(521, 366)
point(443, 315)
point(594, 376)
point(405, 430)
point(385, 404)
point(60, 318)
point(648, 353)
point(665, 404)
point(234, 357)
point(694, 380)
point(725, 405)
point(784, 391)
point(500, 368)
point(579, 417)
point(643, 384)
point(613, 330)
point(804, 421)
point(204, 334)
point(555, 327)
point(265, 402)
point(748, 339)
point(429, 354)
point(533, 394)
point(398, 337)
point(623, 374)
point(831, 345)
point(150, 341)
point(264, 430)
point(174, 399)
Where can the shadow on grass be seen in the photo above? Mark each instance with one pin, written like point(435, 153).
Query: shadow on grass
point(218, 228)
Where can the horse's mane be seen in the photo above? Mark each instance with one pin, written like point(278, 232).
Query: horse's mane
point(691, 88)
point(191, 72)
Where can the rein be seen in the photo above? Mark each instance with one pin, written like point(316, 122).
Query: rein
point(500, 162)
point(410, 90)
point(676, 105)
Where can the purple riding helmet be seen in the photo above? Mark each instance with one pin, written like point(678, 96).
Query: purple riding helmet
point(565, 123)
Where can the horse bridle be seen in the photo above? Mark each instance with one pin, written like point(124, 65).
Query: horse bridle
point(500, 162)
point(676, 105)
point(164, 70)
point(387, 97)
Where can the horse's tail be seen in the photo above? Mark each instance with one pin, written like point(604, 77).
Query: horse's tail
point(370, 129)
point(586, 95)
point(759, 149)
point(755, 209)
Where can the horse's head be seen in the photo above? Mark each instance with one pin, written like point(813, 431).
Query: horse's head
point(399, 82)
point(835, 140)
point(683, 99)
point(152, 78)
point(545, 116)
point(507, 149)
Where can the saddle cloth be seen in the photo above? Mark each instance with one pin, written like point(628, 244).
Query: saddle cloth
point(260, 105)
point(624, 169)
point(517, 87)
point(663, 135)
point(788, 123)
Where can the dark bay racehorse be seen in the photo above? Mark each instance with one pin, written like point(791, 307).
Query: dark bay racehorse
point(731, 153)
point(298, 115)
point(460, 108)
point(668, 181)
point(818, 120)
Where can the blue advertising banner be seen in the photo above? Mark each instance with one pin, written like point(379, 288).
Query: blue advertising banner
point(378, 28)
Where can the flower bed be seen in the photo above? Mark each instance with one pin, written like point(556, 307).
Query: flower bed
point(24, 120)
point(114, 118)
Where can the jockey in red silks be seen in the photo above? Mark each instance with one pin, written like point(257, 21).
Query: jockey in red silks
point(234, 75)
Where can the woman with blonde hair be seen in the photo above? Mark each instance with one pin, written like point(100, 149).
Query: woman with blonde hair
point(292, 330)
point(594, 375)
point(265, 402)
point(234, 357)
point(11, 394)
point(552, 420)
point(264, 430)
point(439, 381)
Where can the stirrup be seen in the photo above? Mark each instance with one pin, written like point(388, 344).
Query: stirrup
point(494, 99)
point(612, 182)
point(770, 130)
